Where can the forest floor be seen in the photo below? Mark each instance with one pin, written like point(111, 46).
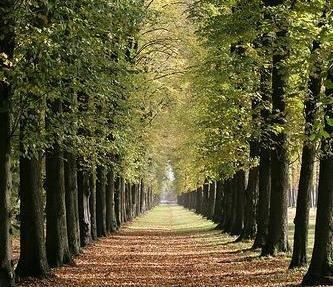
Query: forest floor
point(170, 246)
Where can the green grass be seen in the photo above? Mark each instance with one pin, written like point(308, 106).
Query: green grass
point(179, 221)
point(176, 220)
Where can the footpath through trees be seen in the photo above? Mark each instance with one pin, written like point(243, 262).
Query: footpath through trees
point(170, 246)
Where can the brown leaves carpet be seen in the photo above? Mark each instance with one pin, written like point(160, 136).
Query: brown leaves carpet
point(170, 246)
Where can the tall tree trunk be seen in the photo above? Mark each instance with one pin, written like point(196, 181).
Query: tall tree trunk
point(7, 44)
point(84, 208)
point(117, 201)
point(101, 201)
point(238, 203)
point(263, 206)
point(33, 261)
point(128, 192)
point(211, 200)
point(205, 192)
point(138, 198)
point(133, 194)
point(301, 221)
point(57, 249)
point(124, 217)
point(92, 204)
point(225, 225)
point(251, 193)
point(217, 218)
point(72, 206)
point(277, 239)
point(250, 226)
point(198, 208)
point(6, 271)
point(320, 271)
point(111, 221)
point(142, 195)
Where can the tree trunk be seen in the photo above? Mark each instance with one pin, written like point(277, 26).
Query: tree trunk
point(133, 202)
point(128, 193)
point(57, 249)
point(111, 221)
point(123, 200)
point(7, 44)
point(251, 193)
point(141, 196)
point(101, 201)
point(250, 226)
point(301, 221)
point(84, 208)
point(211, 200)
point(238, 203)
point(320, 271)
point(205, 192)
point(265, 155)
point(225, 225)
point(217, 218)
point(33, 261)
point(92, 204)
point(72, 207)
point(277, 239)
point(198, 208)
point(6, 270)
point(117, 201)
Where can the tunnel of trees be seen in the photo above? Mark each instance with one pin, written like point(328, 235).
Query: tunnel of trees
point(98, 97)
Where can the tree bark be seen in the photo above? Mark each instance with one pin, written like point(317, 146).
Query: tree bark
point(57, 249)
point(142, 196)
point(211, 200)
point(277, 239)
point(301, 221)
point(320, 271)
point(205, 196)
point(263, 206)
point(84, 208)
point(117, 201)
point(92, 204)
point(238, 203)
point(72, 206)
point(251, 193)
point(217, 218)
point(128, 193)
point(198, 208)
point(225, 225)
point(7, 44)
point(111, 221)
point(250, 223)
point(123, 200)
point(101, 201)
point(6, 270)
point(33, 261)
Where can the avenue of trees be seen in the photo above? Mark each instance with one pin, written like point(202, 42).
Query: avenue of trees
point(75, 158)
point(261, 100)
point(98, 98)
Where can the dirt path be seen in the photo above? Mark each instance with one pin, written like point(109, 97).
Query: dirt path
point(170, 246)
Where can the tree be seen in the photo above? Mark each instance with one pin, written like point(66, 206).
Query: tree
point(320, 271)
point(301, 220)
point(264, 158)
point(277, 239)
point(7, 45)
point(57, 249)
point(101, 201)
point(111, 222)
point(72, 207)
